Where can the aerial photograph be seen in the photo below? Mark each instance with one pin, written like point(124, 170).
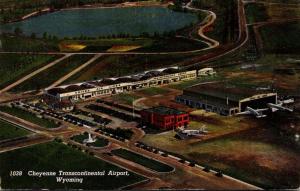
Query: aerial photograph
point(149, 94)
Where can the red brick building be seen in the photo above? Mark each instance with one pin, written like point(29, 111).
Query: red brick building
point(165, 117)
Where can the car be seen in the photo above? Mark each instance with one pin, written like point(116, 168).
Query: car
point(219, 174)
point(164, 154)
point(206, 169)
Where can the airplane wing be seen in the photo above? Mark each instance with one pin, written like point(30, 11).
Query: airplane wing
point(244, 113)
point(261, 110)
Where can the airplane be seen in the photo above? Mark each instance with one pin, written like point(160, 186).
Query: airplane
point(276, 107)
point(287, 101)
point(193, 132)
point(183, 134)
point(256, 112)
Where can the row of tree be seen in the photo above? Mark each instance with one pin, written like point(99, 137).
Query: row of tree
point(19, 32)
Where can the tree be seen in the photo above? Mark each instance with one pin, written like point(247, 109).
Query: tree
point(33, 35)
point(45, 35)
point(18, 31)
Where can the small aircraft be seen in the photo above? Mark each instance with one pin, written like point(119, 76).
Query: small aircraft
point(287, 101)
point(183, 134)
point(256, 112)
point(276, 107)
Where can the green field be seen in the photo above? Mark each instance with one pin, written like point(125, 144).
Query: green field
point(281, 38)
point(14, 66)
point(149, 163)
point(172, 45)
point(125, 98)
point(186, 84)
point(153, 91)
point(281, 1)
point(80, 138)
point(24, 44)
point(28, 116)
point(100, 142)
point(256, 13)
point(54, 157)
point(9, 131)
point(121, 65)
point(49, 76)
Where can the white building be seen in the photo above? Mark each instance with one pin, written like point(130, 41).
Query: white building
point(109, 86)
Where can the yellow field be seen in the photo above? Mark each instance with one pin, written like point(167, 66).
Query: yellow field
point(123, 48)
point(71, 47)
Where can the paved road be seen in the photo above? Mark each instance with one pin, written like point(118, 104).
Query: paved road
point(62, 79)
point(209, 20)
point(35, 72)
point(242, 39)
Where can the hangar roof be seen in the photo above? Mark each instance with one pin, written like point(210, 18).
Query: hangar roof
point(224, 90)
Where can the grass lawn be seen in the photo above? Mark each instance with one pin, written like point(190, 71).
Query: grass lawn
point(14, 66)
point(49, 76)
point(185, 84)
point(21, 43)
point(172, 45)
point(149, 163)
point(280, 1)
point(266, 74)
point(54, 157)
point(153, 91)
point(125, 98)
point(256, 13)
point(122, 65)
point(100, 142)
point(281, 38)
point(286, 11)
point(9, 131)
point(28, 116)
point(80, 138)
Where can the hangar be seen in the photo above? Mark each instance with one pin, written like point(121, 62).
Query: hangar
point(225, 99)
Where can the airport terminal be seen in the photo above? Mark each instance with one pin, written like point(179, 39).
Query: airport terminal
point(109, 86)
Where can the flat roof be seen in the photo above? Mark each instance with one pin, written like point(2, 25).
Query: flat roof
point(225, 90)
point(164, 110)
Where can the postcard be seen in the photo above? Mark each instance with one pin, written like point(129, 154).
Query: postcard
point(149, 95)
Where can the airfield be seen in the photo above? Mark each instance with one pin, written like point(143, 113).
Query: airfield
point(237, 153)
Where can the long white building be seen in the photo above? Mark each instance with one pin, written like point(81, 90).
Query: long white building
point(109, 86)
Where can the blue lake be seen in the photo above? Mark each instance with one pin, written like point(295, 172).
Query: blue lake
point(107, 21)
